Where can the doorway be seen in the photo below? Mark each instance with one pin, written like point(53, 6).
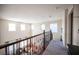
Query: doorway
point(56, 30)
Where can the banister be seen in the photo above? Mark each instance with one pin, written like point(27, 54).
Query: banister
point(8, 44)
point(18, 41)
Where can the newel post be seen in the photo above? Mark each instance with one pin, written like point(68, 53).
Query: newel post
point(51, 36)
point(44, 40)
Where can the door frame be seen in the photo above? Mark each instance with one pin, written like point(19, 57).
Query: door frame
point(71, 26)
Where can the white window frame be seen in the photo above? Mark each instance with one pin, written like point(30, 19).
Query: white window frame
point(11, 27)
point(32, 27)
point(22, 27)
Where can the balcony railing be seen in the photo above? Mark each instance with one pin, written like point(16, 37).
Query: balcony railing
point(34, 45)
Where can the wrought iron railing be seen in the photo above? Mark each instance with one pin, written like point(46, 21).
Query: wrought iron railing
point(33, 45)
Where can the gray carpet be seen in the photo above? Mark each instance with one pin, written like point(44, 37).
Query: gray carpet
point(55, 47)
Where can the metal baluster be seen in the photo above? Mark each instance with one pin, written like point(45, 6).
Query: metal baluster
point(13, 49)
point(44, 40)
point(7, 49)
point(6, 53)
point(19, 48)
point(50, 35)
point(30, 46)
point(24, 47)
point(27, 47)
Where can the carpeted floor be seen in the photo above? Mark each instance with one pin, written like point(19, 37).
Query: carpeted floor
point(55, 47)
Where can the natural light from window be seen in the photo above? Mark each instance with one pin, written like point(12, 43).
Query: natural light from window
point(53, 27)
point(32, 26)
point(22, 27)
point(43, 26)
point(12, 27)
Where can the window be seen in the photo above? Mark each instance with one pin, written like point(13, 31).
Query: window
point(12, 27)
point(53, 27)
point(43, 26)
point(22, 27)
point(32, 26)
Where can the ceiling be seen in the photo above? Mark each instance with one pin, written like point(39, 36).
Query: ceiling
point(32, 13)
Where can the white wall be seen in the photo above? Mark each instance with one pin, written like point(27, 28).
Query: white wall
point(70, 10)
point(6, 35)
point(64, 27)
point(76, 25)
point(37, 28)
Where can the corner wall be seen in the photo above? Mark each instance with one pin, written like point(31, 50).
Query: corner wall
point(76, 25)
point(70, 10)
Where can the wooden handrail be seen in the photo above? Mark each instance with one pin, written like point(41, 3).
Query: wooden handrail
point(18, 41)
point(8, 44)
